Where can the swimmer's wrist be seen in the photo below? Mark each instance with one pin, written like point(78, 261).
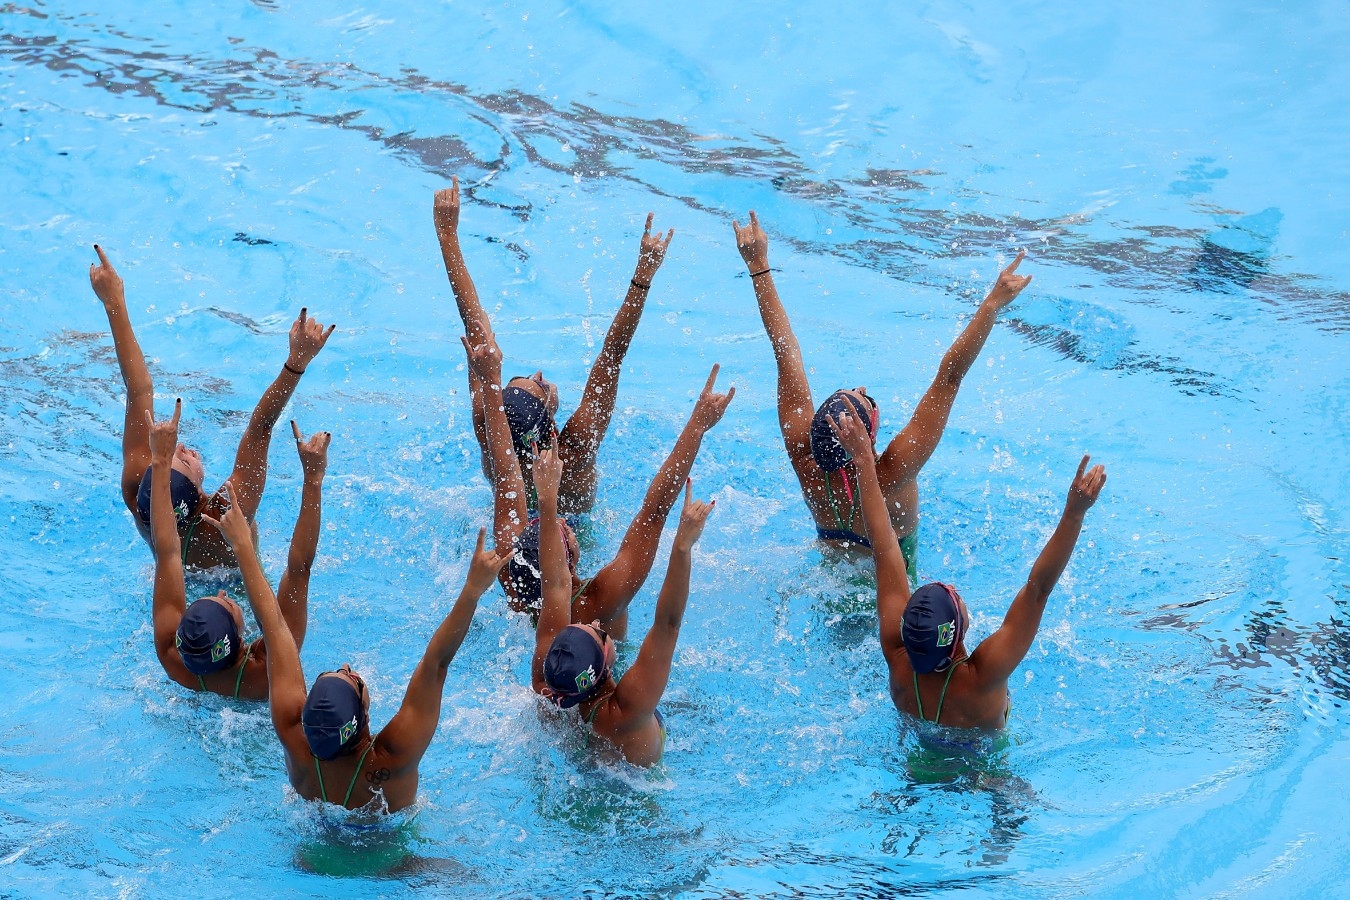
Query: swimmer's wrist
point(294, 370)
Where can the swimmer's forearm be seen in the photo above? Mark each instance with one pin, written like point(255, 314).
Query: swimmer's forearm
point(966, 349)
point(462, 286)
point(1054, 558)
point(305, 538)
point(786, 350)
point(130, 359)
point(450, 634)
point(163, 522)
point(674, 597)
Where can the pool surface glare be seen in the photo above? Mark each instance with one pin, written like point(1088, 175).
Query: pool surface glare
point(1179, 179)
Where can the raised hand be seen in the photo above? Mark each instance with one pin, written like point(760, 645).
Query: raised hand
point(753, 244)
point(485, 360)
point(485, 565)
point(710, 406)
point(652, 252)
point(693, 516)
point(105, 280)
point(852, 435)
point(1009, 284)
point(233, 523)
point(163, 435)
point(547, 473)
point(307, 339)
point(313, 452)
point(1087, 485)
point(445, 208)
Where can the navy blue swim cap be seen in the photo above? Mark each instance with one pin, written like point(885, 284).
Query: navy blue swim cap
point(334, 716)
point(183, 494)
point(208, 638)
point(522, 569)
point(830, 455)
point(932, 627)
point(528, 419)
point(575, 667)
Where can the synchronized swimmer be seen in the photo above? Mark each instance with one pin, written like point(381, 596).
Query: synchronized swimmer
point(543, 479)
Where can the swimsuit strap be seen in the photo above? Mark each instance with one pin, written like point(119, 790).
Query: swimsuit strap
point(360, 766)
point(581, 590)
point(942, 697)
point(201, 681)
point(187, 542)
point(834, 506)
point(239, 679)
point(323, 793)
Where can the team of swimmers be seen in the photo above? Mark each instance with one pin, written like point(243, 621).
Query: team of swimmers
point(543, 478)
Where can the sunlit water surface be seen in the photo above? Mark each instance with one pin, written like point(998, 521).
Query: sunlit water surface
point(1179, 178)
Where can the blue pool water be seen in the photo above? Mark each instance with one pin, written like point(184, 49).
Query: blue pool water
point(1178, 176)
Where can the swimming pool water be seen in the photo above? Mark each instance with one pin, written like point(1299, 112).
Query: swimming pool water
point(1178, 177)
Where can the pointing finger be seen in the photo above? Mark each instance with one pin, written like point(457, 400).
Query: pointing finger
point(102, 257)
point(296, 430)
point(482, 532)
point(1012, 266)
point(712, 377)
point(177, 411)
point(647, 229)
point(754, 220)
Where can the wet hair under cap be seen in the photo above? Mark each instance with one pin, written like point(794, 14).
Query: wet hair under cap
point(829, 454)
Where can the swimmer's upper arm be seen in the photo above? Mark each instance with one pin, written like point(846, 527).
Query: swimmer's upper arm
point(999, 655)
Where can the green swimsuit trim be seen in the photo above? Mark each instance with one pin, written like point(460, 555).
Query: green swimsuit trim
point(238, 679)
point(360, 766)
point(941, 697)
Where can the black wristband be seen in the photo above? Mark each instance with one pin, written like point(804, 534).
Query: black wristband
point(757, 274)
point(287, 367)
point(638, 284)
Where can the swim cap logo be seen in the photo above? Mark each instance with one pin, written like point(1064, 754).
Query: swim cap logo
point(348, 729)
point(586, 680)
point(181, 511)
point(221, 649)
point(946, 634)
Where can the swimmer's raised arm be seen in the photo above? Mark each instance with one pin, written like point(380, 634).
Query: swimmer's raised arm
point(1000, 653)
point(641, 687)
point(293, 591)
point(445, 208)
point(795, 407)
point(909, 450)
point(555, 614)
point(108, 288)
point(249, 477)
point(616, 584)
point(581, 436)
point(510, 510)
point(285, 677)
point(892, 580)
point(170, 592)
point(406, 738)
